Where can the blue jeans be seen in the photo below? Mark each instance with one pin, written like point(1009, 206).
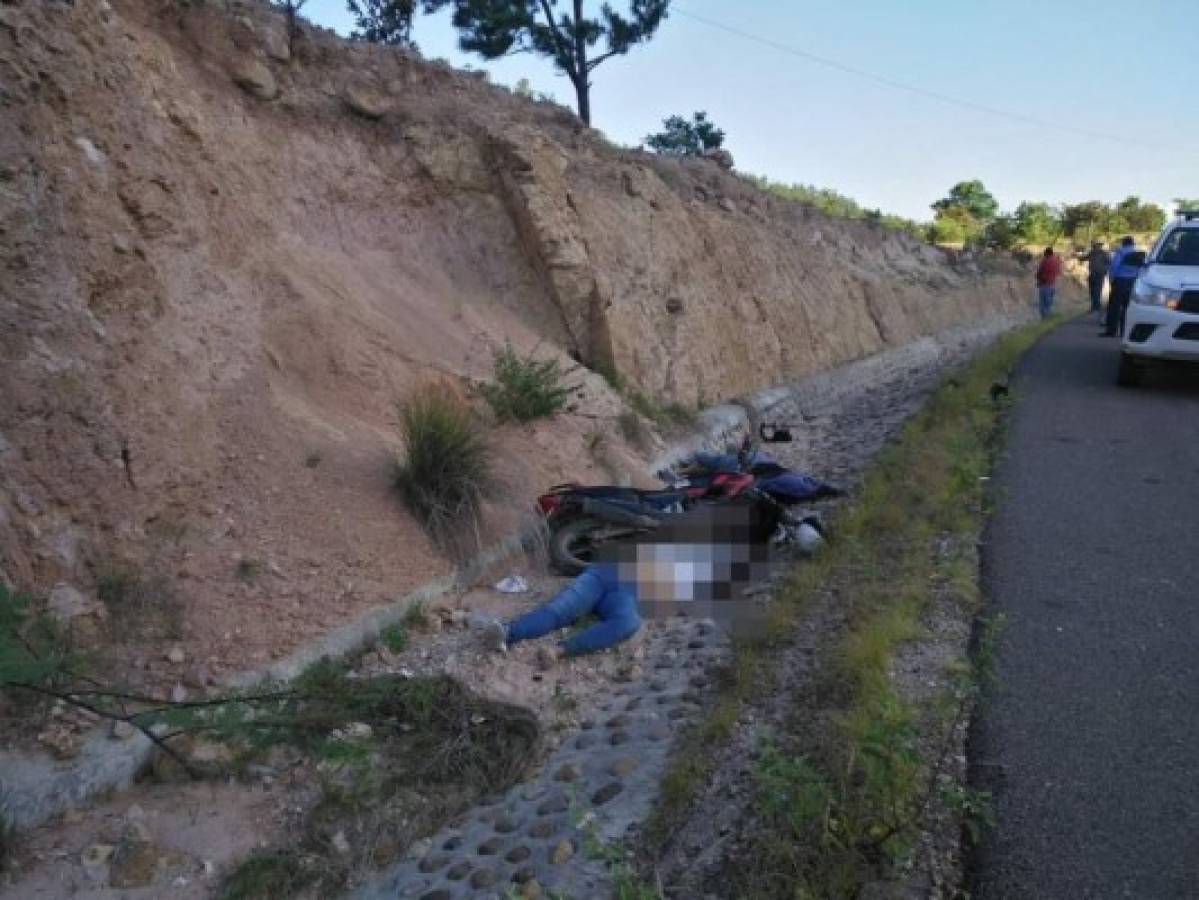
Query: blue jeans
point(598, 591)
point(1045, 294)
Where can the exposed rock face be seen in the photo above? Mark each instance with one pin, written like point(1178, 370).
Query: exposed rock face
point(255, 78)
point(366, 102)
point(205, 291)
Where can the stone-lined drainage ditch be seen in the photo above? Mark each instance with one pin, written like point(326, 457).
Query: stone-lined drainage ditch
point(600, 781)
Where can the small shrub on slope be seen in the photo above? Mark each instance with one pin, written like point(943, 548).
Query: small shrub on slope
point(525, 388)
point(446, 470)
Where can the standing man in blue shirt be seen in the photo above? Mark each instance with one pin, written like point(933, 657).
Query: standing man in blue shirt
point(1122, 277)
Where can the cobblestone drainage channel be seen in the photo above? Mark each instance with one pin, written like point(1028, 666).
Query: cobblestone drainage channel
point(602, 779)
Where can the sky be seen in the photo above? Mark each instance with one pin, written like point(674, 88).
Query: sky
point(1110, 87)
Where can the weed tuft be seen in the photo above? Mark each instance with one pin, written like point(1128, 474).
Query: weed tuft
point(633, 429)
point(668, 415)
point(616, 381)
point(394, 637)
point(267, 875)
point(248, 570)
point(446, 471)
point(34, 649)
point(416, 617)
point(525, 388)
point(142, 606)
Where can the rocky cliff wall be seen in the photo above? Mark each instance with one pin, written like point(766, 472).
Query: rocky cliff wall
point(225, 255)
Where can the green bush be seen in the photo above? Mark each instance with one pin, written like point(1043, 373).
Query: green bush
point(525, 388)
point(1001, 233)
point(267, 874)
point(33, 648)
point(446, 470)
point(954, 225)
point(394, 637)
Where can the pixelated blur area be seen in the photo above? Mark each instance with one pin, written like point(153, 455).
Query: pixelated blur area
point(699, 566)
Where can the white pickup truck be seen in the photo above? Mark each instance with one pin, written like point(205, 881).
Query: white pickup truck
point(1162, 321)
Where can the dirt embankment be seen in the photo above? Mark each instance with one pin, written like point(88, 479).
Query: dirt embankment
point(223, 258)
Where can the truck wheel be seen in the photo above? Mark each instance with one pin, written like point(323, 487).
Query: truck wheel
point(1131, 373)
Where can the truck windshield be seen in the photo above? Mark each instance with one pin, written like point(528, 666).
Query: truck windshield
point(1181, 248)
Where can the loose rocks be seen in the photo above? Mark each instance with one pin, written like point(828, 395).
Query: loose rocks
point(562, 852)
point(254, 78)
point(364, 101)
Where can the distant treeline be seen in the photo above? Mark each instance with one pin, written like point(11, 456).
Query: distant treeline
point(969, 214)
point(835, 204)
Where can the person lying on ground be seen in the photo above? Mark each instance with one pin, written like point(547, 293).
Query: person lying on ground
point(698, 561)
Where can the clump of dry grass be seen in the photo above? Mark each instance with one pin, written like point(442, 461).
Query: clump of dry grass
point(446, 470)
point(142, 604)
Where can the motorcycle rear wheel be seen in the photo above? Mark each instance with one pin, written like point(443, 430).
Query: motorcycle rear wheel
point(573, 543)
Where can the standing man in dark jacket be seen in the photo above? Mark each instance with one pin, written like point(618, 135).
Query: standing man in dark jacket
point(1122, 277)
point(1099, 263)
point(1047, 275)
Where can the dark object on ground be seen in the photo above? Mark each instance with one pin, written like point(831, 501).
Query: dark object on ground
point(584, 519)
point(1131, 372)
point(774, 434)
point(998, 389)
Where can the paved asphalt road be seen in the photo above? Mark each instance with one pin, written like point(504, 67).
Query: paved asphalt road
point(1091, 740)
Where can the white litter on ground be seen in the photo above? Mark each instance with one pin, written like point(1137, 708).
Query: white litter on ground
point(513, 584)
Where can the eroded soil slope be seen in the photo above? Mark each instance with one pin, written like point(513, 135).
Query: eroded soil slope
point(224, 258)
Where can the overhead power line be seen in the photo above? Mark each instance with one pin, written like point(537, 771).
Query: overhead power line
point(912, 88)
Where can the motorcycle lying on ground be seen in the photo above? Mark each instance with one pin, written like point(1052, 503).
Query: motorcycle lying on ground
point(582, 519)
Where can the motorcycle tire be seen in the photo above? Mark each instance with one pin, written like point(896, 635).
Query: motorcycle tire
point(571, 544)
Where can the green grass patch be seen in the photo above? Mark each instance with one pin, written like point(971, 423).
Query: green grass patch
point(268, 875)
point(843, 792)
point(34, 649)
point(394, 637)
point(524, 387)
point(663, 414)
point(416, 617)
